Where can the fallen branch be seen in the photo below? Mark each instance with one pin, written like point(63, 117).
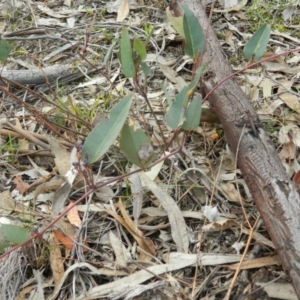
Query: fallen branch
point(36, 76)
point(274, 194)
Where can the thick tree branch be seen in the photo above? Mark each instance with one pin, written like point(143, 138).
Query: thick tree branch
point(275, 195)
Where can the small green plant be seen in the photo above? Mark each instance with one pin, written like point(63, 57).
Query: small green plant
point(148, 29)
point(108, 35)
point(104, 134)
point(11, 148)
point(183, 113)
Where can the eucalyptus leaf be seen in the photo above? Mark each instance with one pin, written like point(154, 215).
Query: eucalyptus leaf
point(13, 233)
point(140, 48)
point(136, 146)
point(126, 55)
point(257, 45)
point(194, 35)
point(196, 79)
point(3, 245)
point(175, 114)
point(104, 134)
point(146, 69)
point(193, 114)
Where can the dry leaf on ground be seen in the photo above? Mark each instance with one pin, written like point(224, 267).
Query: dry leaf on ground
point(177, 223)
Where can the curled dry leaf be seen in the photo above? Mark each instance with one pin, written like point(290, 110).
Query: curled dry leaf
point(62, 156)
point(144, 243)
point(126, 221)
point(136, 188)
point(73, 215)
point(67, 240)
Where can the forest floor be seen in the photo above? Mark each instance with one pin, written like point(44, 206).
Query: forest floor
point(126, 238)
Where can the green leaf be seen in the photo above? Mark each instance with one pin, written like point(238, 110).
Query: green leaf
point(140, 48)
point(126, 55)
point(109, 52)
point(136, 146)
point(5, 48)
point(4, 245)
point(257, 45)
point(176, 22)
point(146, 69)
point(193, 114)
point(196, 79)
point(194, 35)
point(13, 233)
point(175, 114)
point(104, 134)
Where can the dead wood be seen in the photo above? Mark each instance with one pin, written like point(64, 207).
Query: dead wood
point(274, 194)
point(36, 76)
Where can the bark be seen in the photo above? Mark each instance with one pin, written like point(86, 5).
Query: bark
point(274, 194)
point(36, 76)
point(57, 74)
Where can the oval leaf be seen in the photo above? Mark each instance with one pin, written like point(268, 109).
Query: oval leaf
point(126, 55)
point(193, 114)
point(104, 134)
point(136, 146)
point(175, 114)
point(194, 35)
point(13, 233)
point(257, 45)
point(140, 48)
point(5, 48)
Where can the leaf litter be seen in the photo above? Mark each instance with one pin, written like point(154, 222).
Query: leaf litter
point(161, 232)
